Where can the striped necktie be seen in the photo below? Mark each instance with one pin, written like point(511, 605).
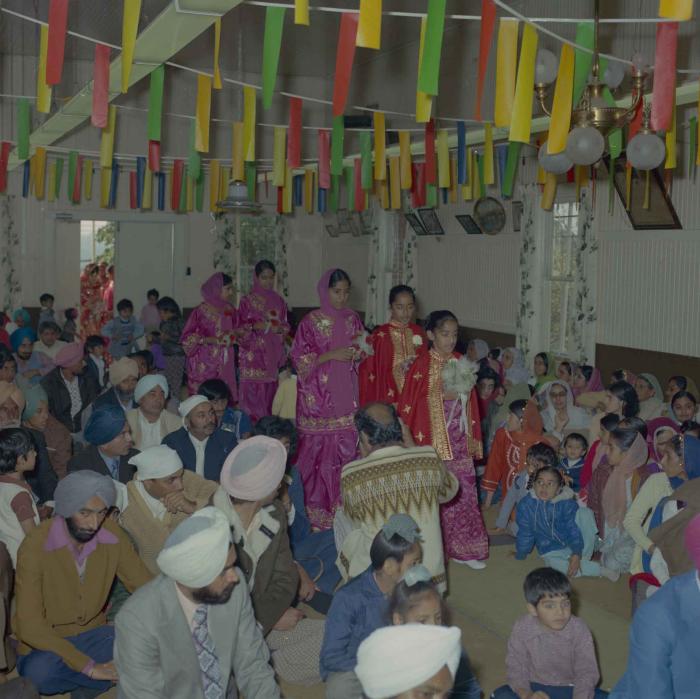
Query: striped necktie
point(206, 655)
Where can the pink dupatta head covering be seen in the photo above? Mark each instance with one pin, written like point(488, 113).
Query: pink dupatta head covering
point(211, 293)
point(615, 492)
point(653, 428)
point(342, 376)
point(275, 307)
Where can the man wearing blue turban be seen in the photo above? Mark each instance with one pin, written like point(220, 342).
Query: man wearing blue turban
point(31, 365)
point(110, 445)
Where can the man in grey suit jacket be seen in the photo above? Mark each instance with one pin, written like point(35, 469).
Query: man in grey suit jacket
point(191, 633)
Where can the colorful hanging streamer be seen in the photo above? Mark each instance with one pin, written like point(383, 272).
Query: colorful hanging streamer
point(405, 159)
point(681, 10)
point(88, 174)
point(4, 158)
point(130, 29)
point(309, 191)
point(369, 28)
point(107, 142)
point(585, 36)
point(488, 22)
point(51, 194)
point(279, 164)
point(40, 177)
point(324, 159)
point(366, 159)
point(461, 152)
point(100, 87)
point(663, 95)
point(489, 171)
point(203, 113)
point(218, 84)
point(671, 159)
point(506, 62)
point(113, 185)
point(140, 180)
point(301, 12)
point(443, 158)
point(430, 169)
point(72, 168)
point(395, 181)
point(155, 104)
point(133, 187)
point(343, 61)
point(560, 121)
point(249, 100)
point(424, 102)
point(43, 90)
point(294, 137)
point(23, 128)
point(692, 147)
point(379, 146)
point(58, 24)
point(147, 201)
point(176, 177)
point(161, 191)
point(337, 139)
point(521, 120)
point(511, 168)
point(429, 74)
point(272, 43)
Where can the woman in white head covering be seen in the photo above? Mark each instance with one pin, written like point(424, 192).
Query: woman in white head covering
point(559, 414)
point(651, 396)
point(514, 364)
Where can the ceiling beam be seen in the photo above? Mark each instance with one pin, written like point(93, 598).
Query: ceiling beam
point(173, 29)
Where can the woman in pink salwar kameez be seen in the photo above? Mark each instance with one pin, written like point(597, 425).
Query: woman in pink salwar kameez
point(327, 395)
point(262, 320)
point(209, 336)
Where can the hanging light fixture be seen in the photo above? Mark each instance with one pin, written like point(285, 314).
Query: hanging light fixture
point(237, 199)
point(592, 119)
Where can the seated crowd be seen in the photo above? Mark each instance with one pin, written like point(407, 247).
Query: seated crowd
point(168, 514)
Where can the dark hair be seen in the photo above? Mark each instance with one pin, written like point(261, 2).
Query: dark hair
point(636, 424)
point(14, 442)
point(226, 279)
point(437, 318)
point(628, 396)
point(377, 432)
point(544, 454)
point(619, 375)
point(148, 357)
point(623, 438)
point(110, 269)
point(690, 426)
point(152, 292)
point(262, 265)
point(168, 304)
point(6, 356)
point(676, 443)
point(215, 389)
point(49, 325)
point(569, 367)
point(495, 353)
point(549, 469)
point(401, 289)
point(543, 356)
point(545, 582)
point(683, 394)
point(609, 421)
point(577, 437)
point(338, 275)
point(93, 341)
point(382, 549)
point(277, 428)
point(125, 304)
point(46, 297)
point(517, 407)
point(70, 313)
point(587, 371)
point(488, 374)
point(406, 597)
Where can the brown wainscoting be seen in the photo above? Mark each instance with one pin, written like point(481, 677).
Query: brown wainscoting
point(661, 364)
point(493, 339)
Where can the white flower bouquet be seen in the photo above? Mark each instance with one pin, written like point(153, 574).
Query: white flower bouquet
point(459, 376)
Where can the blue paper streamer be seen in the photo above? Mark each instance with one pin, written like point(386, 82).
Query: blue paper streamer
point(298, 190)
point(140, 180)
point(161, 191)
point(322, 201)
point(114, 180)
point(25, 180)
point(502, 159)
point(445, 194)
point(461, 153)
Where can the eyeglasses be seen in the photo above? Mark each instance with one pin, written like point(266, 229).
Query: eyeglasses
point(558, 395)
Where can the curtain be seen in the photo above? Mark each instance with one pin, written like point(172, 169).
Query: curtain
point(583, 314)
point(375, 266)
point(10, 259)
point(529, 334)
point(407, 253)
point(281, 245)
point(227, 249)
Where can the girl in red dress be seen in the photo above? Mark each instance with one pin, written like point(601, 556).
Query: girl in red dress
point(452, 427)
point(396, 344)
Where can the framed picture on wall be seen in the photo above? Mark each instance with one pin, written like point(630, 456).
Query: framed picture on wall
point(430, 221)
point(469, 224)
point(415, 224)
point(517, 215)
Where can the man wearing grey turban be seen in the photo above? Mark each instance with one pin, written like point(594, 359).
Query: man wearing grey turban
point(65, 642)
point(189, 632)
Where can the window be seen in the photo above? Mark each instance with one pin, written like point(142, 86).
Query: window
point(562, 239)
point(258, 242)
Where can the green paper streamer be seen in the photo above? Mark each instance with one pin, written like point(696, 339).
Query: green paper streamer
point(194, 161)
point(251, 176)
point(366, 154)
point(692, 155)
point(272, 42)
point(337, 138)
point(615, 136)
point(59, 174)
point(199, 192)
point(22, 129)
point(583, 61)
point(72, 167)
point(511, 168)
point(350, 187)
point(611, 186)
point(155, 103)
point(334, 193)
point(431, 198)
point(429, 73)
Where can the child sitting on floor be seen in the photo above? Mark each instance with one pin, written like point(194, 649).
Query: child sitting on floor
point(575, 447)
point(416, 600)
point(550, 651)
point(550, 518)
point(361, 606)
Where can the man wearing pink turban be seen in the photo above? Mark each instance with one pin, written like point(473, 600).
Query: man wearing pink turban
point(664, 651)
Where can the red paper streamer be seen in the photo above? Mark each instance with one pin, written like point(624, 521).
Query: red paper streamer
point(154, 156)
point(58, 23)
point(324, 159)
point(75, 196)
point(294, 135)
point(359, 192)
point(662, 100)
point(4, 157)
point(178, 171)
point(636, 123)
point(488, 21)
point(343, 61)
point(418, 185)
point(132, 190)
point(430, 168)
point(100, 87)
point(280, 200)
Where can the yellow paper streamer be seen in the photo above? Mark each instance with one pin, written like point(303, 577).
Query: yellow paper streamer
point(379, 146)
point(489, 174)
point(381, 191)
point(214, 175)
point(203, 113)
point(521, 120)
point(670, 163)
point(43, 91)
point(681, 10)
point(130, 27)
point(453, 180)
point(279, 160)
point(107, 142)
point(395, 181)
point(560, 121)
point(40, 176)
point(424, 101)
point(443, 158)
point(468, 189)
point(105, 181)
point(405, 159)
point(249, 98)
point(301, 12)
point(224, 178)
point(52, 182)
point(506, 61)
point(549, 192)
point(218, 84)
point(287, 206)
point(309, 191)
point(88, 173)
point(147, 198)
point(369, 27)
point(238, 166)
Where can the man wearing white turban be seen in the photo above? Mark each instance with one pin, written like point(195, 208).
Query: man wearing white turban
point(161, 496)
point(151, 422)
point(409, 662)
point(191, 631)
